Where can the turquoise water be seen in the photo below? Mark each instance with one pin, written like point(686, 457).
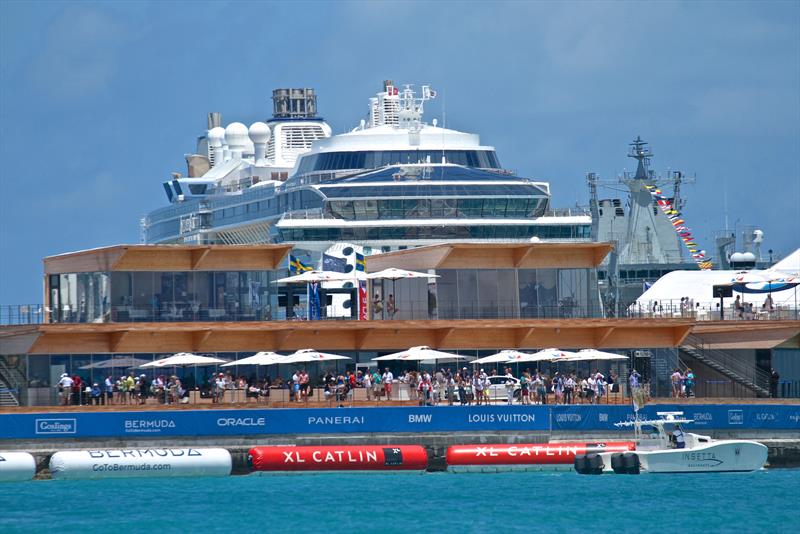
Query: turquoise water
point(765, 501)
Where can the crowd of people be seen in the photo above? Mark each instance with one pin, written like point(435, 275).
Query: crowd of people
point(454, 387)
point(128, 389)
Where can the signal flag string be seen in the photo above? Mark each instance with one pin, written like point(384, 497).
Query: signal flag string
point(674, 216)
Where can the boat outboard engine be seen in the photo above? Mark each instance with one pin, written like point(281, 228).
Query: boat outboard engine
point(630, 460)
point(625, 463)
point(589, 464)
point(617, 463)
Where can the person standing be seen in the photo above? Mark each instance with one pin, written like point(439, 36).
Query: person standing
point(388, 379)
point(774, 380)
point(366, 382)
point(688, 382)
point(65, 389)
point(569, 388)
point(509, 387)
point(391, 306)
point(109, 387)
point(677, 378)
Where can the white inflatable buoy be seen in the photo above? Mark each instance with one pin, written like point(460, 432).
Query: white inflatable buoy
point(16, 466)
point(120, 463)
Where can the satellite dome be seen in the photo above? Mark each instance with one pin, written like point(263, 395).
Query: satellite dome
point(236, 135)
point(748, 257)
point(259, 132)
point(736, 257)
point(216, 136)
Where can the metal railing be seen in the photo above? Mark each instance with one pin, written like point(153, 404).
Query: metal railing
point(27, 314)
point(746, 374)
point(705, 311)
point(20, 314)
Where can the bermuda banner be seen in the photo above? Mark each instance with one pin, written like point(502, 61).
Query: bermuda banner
point(250, 422)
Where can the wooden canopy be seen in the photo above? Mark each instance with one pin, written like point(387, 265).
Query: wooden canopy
point(493, 256)
point(169, 258)
point(356, 335)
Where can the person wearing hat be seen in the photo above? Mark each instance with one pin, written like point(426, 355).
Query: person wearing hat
point(65, 389)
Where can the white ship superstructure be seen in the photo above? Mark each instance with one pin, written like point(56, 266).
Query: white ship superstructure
point(392, 182)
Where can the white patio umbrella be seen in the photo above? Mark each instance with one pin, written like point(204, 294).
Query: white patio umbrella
point(183, 359)
point(592, 355)
point(259, 358)
point(504, 356)
point(419, 354)
point(395, 274)
point(311, 355)
point(543, 356)
point(119, 363)
point(309, 277)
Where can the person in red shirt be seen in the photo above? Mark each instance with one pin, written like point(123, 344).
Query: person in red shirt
point(77, 389)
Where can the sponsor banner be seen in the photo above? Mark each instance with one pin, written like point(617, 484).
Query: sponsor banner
point(252, 422)
point(706, 416)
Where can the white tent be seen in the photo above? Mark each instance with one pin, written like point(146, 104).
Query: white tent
point(790, 264)
point(698, 286)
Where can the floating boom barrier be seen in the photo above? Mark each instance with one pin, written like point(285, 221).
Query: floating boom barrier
point(525, 457)
point(121, 463)
point(16, 466)
point(338, 458)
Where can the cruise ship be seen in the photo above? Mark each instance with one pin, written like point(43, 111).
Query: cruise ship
point(394, 181)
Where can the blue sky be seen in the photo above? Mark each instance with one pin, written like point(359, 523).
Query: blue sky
point(99, 101)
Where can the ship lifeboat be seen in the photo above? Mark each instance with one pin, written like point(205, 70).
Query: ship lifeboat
point(526, 457)
point(339, 458)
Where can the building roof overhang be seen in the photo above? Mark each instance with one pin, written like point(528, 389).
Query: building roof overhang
point(494, 256)
point(169, 258)
point(355, 335)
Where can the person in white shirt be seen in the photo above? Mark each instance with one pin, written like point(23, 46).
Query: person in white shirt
point(388, 378)
point(592, 382)
point(65, 388)
point(510, 387)
point(477, 387)
point(109, 390)
point(219, 387)
point(367, 383)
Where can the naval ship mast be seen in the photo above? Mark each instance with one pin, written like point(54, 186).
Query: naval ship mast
point(646, 243)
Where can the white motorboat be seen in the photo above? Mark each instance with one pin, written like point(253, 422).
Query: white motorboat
point(662, 446)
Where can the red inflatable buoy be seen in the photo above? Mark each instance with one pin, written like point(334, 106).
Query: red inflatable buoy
point(340, 458)
point(529, 454)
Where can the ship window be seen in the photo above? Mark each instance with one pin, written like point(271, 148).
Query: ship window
point(197, 189)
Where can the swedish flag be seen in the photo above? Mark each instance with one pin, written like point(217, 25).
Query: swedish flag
point(361, 263)
point(296, 266)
